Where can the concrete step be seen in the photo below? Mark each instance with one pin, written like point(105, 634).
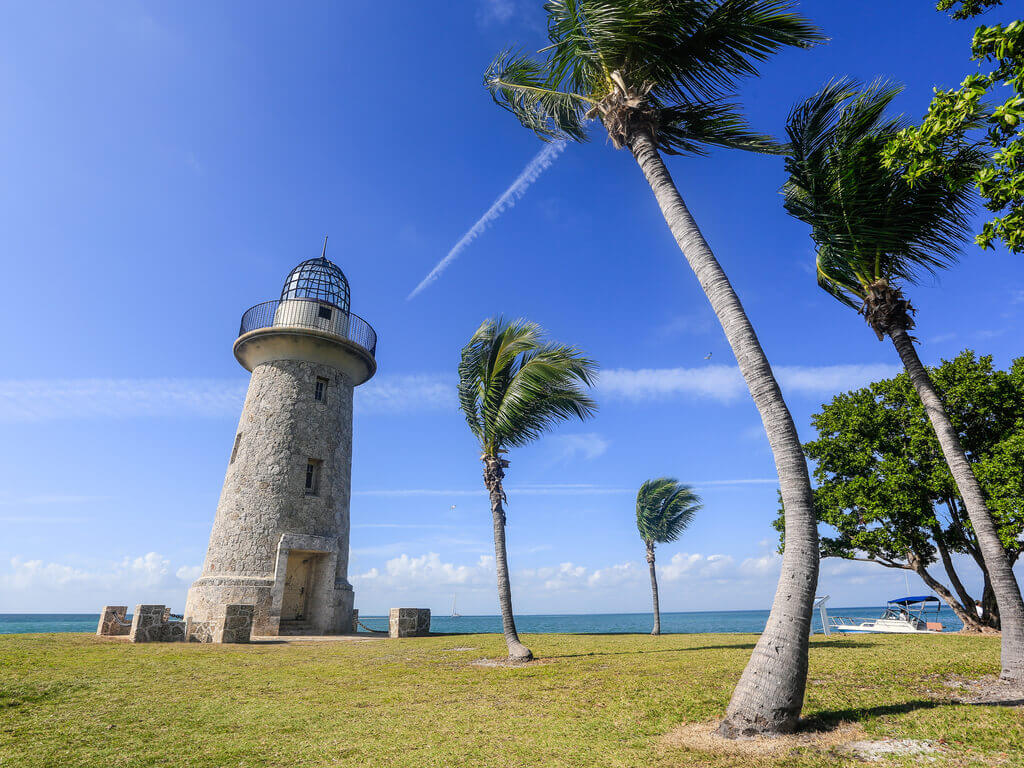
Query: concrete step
point(293, 627)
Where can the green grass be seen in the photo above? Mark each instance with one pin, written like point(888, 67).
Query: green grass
point(598, 700)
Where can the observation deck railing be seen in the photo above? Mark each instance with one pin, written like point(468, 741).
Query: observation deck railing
point(307, 313)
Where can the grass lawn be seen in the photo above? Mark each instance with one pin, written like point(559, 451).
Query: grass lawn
point(592, 700)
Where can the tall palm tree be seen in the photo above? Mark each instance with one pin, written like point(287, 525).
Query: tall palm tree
point(659, 75)
point(664, 509)
point(873, 233)
point(513, 387)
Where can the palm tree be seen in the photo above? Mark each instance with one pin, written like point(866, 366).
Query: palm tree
point(873, 233)
point(659, 74)
point(513, 387)
point(664, 509)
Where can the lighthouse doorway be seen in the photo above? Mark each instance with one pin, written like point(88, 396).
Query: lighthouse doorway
point(298, 585)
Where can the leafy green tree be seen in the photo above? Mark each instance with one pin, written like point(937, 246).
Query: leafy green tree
point(874, 231)
point(664, 509)
point(513, 387)
point(661, 77)
point(886, 493)
point(963, 117)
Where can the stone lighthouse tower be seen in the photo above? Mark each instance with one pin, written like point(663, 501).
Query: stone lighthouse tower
point(280, 535)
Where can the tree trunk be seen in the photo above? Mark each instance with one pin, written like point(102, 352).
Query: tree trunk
point(954, 578)
point(997, 564)
point(965, 613)
point(770, 693)
point(654, 590)
point(494, 473)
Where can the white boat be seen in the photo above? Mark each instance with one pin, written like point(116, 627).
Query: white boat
point(455, 614)
point(903, 616)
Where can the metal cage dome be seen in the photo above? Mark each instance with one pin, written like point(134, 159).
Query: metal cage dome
point(319, 279)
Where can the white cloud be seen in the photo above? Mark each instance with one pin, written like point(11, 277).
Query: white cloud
point(405, 572)
point(400, 394)
point(56, 399)
point(725, 384)
point(40, 586)
point(30, 401)
point(498, 11)
point(585, 445)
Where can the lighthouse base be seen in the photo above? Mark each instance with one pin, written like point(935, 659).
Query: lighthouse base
point(302, 596)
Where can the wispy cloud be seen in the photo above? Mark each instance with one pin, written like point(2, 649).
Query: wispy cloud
point(59, 399)
point(585, 445)
point(399, 394)
point(540, 163)
point(724, 382)
point(30, 401)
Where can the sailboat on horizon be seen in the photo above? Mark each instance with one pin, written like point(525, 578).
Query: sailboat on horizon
point(455, 614)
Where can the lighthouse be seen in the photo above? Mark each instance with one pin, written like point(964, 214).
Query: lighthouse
point(280, 538)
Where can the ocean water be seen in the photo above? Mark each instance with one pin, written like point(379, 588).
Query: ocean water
point(593, 623)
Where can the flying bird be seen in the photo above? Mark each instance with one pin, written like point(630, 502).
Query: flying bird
point(707, 356)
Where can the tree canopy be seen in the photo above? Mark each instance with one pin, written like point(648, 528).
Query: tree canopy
point(885, 491)
point(963, 117)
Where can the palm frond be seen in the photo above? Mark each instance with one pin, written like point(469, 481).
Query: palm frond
point(690, 128)
point(688, 56)
point(514, 385)
point(664, 509)
point(867, 222)
point(520, 84)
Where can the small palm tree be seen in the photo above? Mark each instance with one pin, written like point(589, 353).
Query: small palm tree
point(513, 387)
point(661, 76)
point(874, 233)
point(664, 509)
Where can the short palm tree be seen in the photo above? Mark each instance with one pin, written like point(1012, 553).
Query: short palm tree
point(660, 76)
point(513, 387)
point(875, 233)
point(664, 509)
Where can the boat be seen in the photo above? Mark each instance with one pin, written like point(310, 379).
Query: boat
point(455, 614)
point(903, 616)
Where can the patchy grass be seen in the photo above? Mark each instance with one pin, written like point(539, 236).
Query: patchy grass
point(596, 700)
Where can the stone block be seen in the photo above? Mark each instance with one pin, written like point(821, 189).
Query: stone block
point(113, 622)
point(409, 622)
point(235, 626)
point(146, 623)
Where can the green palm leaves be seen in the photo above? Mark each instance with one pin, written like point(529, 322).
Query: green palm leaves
point(678, 61)
point(514, 385)
point(867, 222)
point(664, 509)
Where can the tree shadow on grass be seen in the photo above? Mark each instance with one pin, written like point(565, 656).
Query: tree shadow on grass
point(831, 719)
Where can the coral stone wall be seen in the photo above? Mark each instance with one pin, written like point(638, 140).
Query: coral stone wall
point(264, 496)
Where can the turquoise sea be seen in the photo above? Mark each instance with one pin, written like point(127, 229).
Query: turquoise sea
point(594, 623)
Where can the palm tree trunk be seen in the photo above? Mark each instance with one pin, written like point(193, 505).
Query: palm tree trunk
point(1000, 572)
point(770, 693)
point(494, 473)
point(654, 590)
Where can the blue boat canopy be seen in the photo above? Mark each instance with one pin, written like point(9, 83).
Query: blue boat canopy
point(918, 599)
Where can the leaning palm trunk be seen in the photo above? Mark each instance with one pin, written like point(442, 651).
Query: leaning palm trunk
point(1007, 591)
point(654, 591)
point(494, 473)
point(770, 692)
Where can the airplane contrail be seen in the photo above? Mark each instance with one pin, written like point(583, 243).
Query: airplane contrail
point(540, 163)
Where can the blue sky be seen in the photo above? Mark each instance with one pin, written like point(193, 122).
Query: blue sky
point(163, 166)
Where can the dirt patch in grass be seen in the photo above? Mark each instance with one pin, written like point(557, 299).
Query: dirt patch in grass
point(879, 751)
point(509, 663)
point(702, 737)
point(988, 690)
